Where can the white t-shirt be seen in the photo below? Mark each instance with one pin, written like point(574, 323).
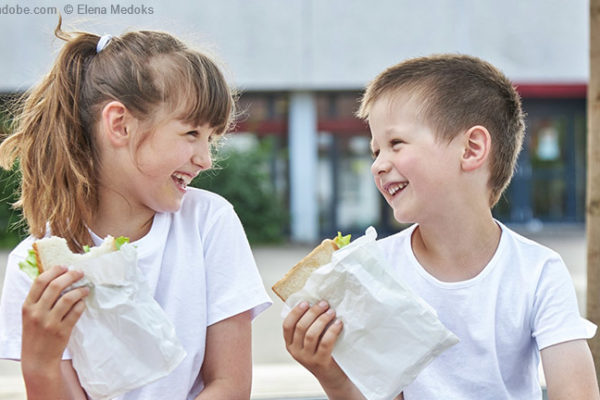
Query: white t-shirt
point(522, 302)
point(201, 268)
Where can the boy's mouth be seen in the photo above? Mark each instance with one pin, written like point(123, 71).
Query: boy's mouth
point(394, 188)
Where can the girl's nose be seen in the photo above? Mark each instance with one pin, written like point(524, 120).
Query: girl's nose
point(202, 157)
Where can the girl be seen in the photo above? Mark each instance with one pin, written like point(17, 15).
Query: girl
point(107, 144)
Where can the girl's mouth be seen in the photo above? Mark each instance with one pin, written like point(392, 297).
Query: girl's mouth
point(181, 181)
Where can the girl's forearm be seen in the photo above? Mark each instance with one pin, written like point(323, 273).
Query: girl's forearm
point(45, 382)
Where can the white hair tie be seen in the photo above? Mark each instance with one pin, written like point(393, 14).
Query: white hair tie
point(103, 42)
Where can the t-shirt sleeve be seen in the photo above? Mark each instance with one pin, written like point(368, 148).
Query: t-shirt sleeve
point(233, 283)
point(556, 317)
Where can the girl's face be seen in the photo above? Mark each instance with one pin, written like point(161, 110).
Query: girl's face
point(166, 161)
point(415, 173)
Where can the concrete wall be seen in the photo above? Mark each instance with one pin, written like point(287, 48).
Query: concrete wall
point(324, 44)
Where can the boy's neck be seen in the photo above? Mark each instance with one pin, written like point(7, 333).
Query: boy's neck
point(457, 249)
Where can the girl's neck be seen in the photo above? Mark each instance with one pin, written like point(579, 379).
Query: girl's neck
point(117, 217)
point(458, 248)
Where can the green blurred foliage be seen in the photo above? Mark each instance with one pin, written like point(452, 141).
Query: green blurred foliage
point(12, 228)
point(243, 178)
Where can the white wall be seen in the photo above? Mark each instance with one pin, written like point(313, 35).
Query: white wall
point(328, 44)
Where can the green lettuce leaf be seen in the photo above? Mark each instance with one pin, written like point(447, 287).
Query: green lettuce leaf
point(29, 266)
point(120, 241)
point(342, 241)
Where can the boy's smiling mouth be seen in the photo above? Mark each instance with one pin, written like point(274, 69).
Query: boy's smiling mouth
point(393, 188)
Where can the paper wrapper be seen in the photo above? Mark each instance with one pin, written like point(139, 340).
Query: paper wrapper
point(123, 339)
point(389, 334)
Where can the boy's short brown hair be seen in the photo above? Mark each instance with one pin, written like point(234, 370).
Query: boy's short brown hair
point(455, 93)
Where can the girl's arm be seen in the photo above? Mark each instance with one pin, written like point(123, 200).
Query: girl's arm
point(310, 338)
point(48, 319)
point(227, 367)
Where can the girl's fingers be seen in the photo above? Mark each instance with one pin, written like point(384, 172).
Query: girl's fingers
point(64, 305)
point(42, 281)
point(74, 314)
point(55, 287)
point(316, 330)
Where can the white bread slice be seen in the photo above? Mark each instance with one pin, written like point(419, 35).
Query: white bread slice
point(54, 250)
point(296, 277)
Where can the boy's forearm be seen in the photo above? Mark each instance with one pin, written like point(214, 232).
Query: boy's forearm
point(341, 388)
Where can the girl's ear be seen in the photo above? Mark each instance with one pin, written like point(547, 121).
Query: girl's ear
point(116, 123)
point(477, 146)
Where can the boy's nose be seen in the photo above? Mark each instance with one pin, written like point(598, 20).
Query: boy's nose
point(380, 166)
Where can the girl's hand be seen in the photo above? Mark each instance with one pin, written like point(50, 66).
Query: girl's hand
point(310, 334)
point(48, 319)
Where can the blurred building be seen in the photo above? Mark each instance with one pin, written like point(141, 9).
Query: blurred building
point(301, 66)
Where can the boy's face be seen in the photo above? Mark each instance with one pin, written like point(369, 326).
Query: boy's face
point(416, 174)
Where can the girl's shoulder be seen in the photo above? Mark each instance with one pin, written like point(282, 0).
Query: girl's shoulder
point(201, 201)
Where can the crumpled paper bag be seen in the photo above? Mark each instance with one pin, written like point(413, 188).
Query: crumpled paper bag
point(123, 339)
point(389, 334)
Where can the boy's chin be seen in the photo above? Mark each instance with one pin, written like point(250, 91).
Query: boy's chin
point(402, 218)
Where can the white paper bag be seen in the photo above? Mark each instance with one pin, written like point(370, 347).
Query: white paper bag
point(389, 333)
point(123, 339)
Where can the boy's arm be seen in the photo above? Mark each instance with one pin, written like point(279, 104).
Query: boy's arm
point(569, 371)
point(227, 367)
point(309, 338)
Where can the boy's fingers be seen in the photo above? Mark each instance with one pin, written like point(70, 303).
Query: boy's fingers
point(316, 330)
point(329, 338)
point(41, 282)
point(307, 320)
point(289, 323)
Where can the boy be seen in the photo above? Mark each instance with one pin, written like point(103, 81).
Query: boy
point(446, 131)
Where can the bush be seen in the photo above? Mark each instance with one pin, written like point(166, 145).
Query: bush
point(243, 178)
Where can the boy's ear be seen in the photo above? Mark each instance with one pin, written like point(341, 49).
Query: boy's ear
point(116, 120)
point(477, 146)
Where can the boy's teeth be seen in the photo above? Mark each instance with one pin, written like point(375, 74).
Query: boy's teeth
point(393, 189)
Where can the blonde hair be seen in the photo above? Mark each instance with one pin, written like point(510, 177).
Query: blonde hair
point(53, 138)
point(456, 93)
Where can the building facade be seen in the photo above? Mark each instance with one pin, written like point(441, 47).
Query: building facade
point(301, 66)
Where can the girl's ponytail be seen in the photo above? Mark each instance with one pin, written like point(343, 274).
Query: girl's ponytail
point(55, 151)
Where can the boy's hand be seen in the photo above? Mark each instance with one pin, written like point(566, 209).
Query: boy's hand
point(49, 317)
point(309, 337)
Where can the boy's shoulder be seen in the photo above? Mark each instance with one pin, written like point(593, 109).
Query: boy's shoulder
point(527, 247)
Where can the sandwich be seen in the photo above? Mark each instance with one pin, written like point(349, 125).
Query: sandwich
point(53, 250)
point(297, 276)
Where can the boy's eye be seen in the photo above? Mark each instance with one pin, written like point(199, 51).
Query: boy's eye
point(374, 154)
point(395, 142)
point(192, 133)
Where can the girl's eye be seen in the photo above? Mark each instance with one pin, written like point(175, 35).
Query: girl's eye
point(374, 154)
point(395, 142)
